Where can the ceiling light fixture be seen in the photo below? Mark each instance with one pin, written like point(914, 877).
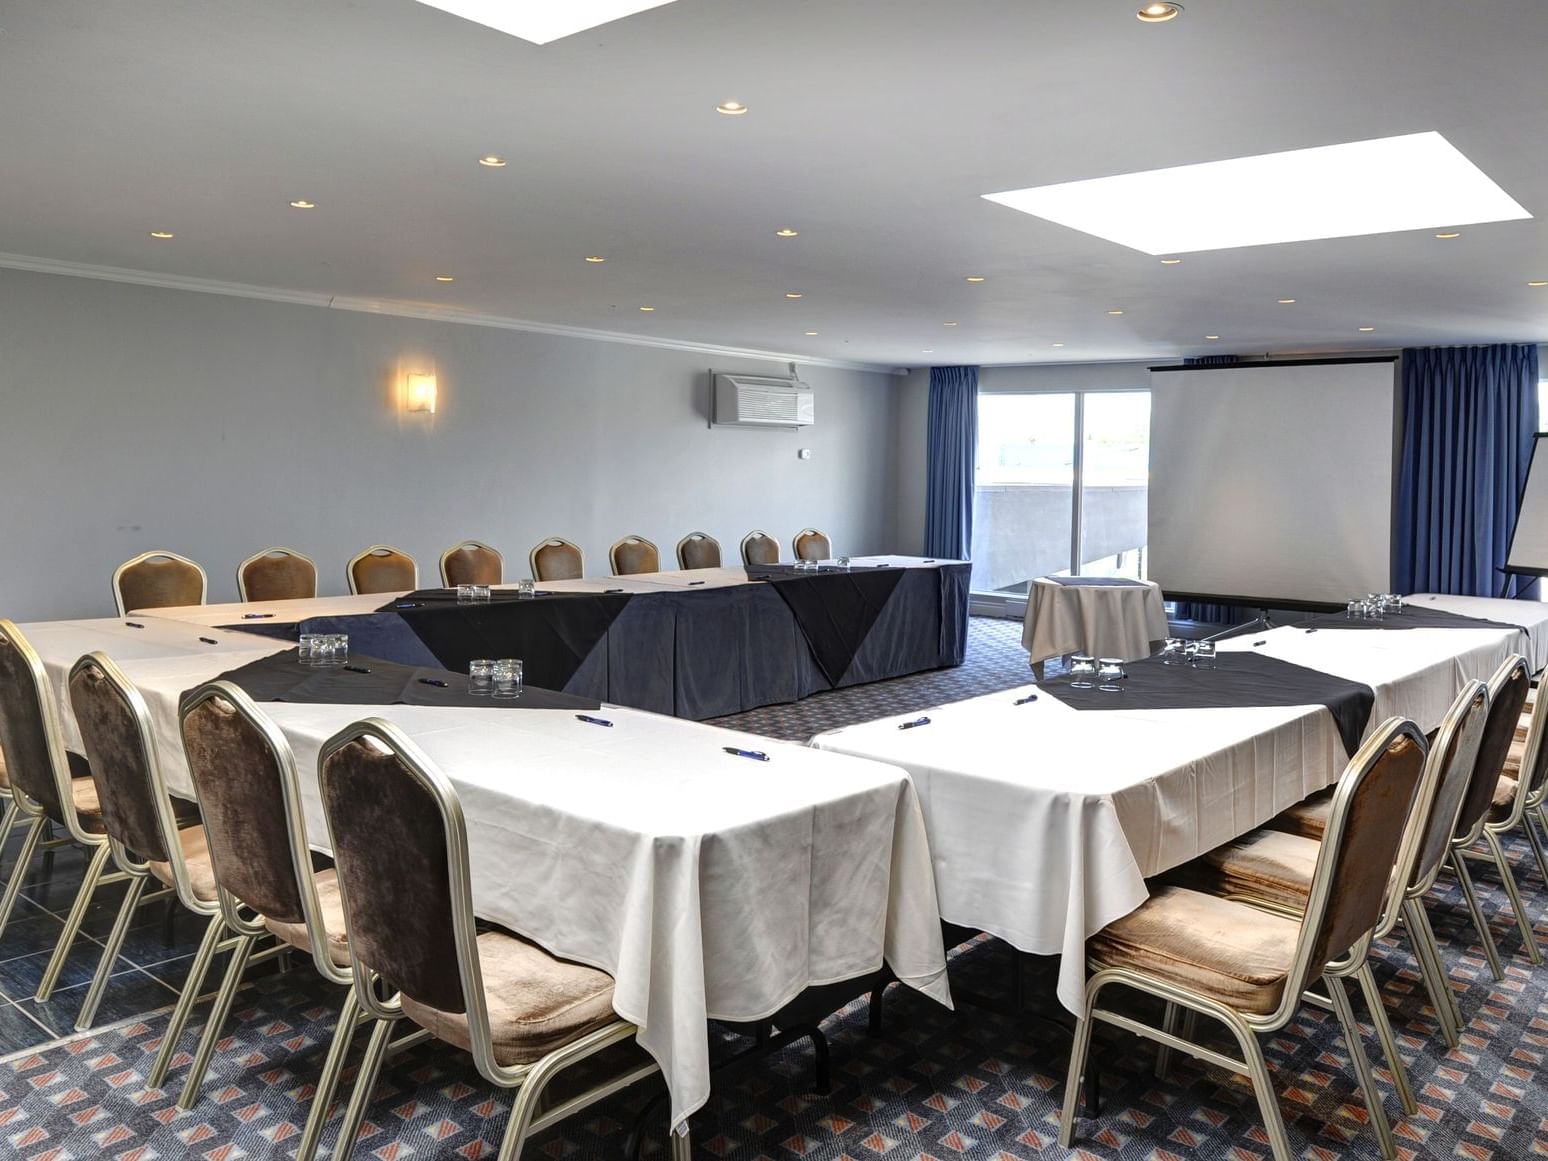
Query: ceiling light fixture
point(492, 161)
point(542, 21)
point(1171, 261)
point(1419, 181)
point(1286, 301)
point(787, 232)
point(1115, 312)
point(948, 324)
point(1211, 338)
point(1537, 283)
point(1366, 330)
point(928, 351)
point(1058, 344)
point(1450, 234)
point(444, 278)
point(731, 108)
point(303, 204)
point(1159, 13)
point(647, 309)
point(811, 334)
point(595, 258)
point(794, 294)
point(161, 233)
point(976, 278)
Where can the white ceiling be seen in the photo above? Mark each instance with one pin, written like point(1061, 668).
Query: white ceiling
point(875, 126)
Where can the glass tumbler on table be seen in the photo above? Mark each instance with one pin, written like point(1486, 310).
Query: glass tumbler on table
point(1173, 651)
point(465, 594)
point(1204, 655)
point(526, 589)
point(507, 677)
point(480, 677)
point(1110, 672)
point(1083, 668)
point(306, 651)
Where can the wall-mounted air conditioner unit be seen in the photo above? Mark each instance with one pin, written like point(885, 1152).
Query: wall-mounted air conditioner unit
point(762, 401)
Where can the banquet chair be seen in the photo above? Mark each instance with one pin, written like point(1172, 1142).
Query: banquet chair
point(1249, 968)
point(1276, 868)
point(810, 544)
point(1507, 695)
point(158, 580)
point(557, 559)
point(382, 569)
point(698, 550)
point(1523, 786)
point(245, 774)
point(633, 555)
point(277, 574)
point(400, 842)
point(472, 562)
point(758, 547)
point(150, 844)
point(49, 787)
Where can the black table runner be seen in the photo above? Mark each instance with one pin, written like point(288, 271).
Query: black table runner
point(283, 678)
point(1412, 617)
point(556, 631)
point(1239, 681)
point(836, 608)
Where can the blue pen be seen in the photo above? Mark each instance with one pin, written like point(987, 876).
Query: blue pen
point(592, 721)
point(255, 616)
point(912, 724)
point(755, 755)
point(432, 681)
point(406, 605)
point(1024, 700)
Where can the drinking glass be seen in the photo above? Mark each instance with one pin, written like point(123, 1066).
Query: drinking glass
point(306, 652)
point(480, 677)
point(1110, 673)
point(338, 650)
point(507, 677)
point(1083, 668)
point(480, 593)
point(465, 594)
point(1204, 655)
point(1354, 610)
point(1173, 651)
point(843, 562)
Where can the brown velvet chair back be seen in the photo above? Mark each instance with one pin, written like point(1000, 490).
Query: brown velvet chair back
point(240, 780)
point(27, 723)
point(383, 569)
point(758, 547)
point(1456, 748)
point(1534, 760)
point(390, 845)
point(103, 702)
point(1507, 695)
point(557, 559)
point(277, 574)
point(698, 550)
point(1360, 848)
point(471, 563)
point(158, 580)
point(634, 554)
point(813, 545)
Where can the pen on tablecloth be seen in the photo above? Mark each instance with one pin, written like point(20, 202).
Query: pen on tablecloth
point(589, 720)
point(1255, 644)
point(406, 605)
point(755, 755)
point(134, 624)
point(912, 724)
point(363, 669)
point(435, 681)
point(612, 590)
point(209, 640)
point(692, 583)
point(1311, 630)
point(255, 616)
point(1024, 700)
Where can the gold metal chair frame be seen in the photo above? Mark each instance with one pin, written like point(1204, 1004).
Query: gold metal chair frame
point(376, 550)
point(757, 534)
point(529, 1080)
point(461, 544)
point(1246, 1027)
point(157, 554)
point(276, 550)
point(801, 536)
point(689, 539)
point(612, 551)
point(553, 541)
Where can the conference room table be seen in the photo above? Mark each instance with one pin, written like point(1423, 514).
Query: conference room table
point(692, 643)
point(1045, 819)
point(708, 884)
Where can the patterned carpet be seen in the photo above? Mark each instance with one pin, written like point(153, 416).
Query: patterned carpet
point(980, 1084)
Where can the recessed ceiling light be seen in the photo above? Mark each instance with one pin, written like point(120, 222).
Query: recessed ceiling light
point(492, 161)
point(542, 21)
point(444, 278)
point(1367, 329)
point(1058, 344)
point(976, 278)
point(1159, 13)
point(595, 258)
point(1211, 338)
point(1115, 312)
point(928, 351)
point(787, 232)
point(810, 334)
point(161, 233)
point(1537, 283)
point(1450, 234)
point(303, 204)
point(794, 294)
point(1286, 301)
point(647, 309)
point(1418, 181)
point(731, 108)
point(1171, 261)
point(948, 324)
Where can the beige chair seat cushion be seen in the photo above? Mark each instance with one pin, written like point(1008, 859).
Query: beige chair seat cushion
point(1504, 798)
point(1272, 865)
point(1308, 817)
point(196, 856)
point(5, 778)
point(83, 794)
point(331, 904)
point(1230, 952)
point(1514, 757)
point(536, 1003)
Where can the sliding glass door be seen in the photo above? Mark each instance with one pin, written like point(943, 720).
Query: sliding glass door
point(1061, 482)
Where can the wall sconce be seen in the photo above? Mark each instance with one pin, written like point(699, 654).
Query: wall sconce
point(419, 393)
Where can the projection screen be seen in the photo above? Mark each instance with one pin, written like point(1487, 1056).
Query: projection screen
point(1273, 482)
point(1529, 539)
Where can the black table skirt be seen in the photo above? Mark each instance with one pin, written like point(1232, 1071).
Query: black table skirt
point(701, 653)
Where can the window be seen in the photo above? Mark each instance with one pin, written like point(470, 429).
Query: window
point(1048, 504)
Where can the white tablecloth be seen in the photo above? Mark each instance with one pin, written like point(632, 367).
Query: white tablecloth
point(1044, 821)
point(1530, 615)
point(1119, 620)
point(706, 884)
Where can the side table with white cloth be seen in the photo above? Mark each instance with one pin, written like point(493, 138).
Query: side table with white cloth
point(1102, 616)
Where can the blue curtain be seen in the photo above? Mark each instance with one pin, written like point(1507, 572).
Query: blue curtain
point(1469, 416)
point(952, 444)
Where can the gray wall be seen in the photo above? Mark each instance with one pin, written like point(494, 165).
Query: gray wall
point(135, 417)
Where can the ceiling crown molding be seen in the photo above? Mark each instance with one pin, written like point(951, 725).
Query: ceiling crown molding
point(401, 308)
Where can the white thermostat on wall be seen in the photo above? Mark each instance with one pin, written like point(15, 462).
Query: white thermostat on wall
point(805, 453)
